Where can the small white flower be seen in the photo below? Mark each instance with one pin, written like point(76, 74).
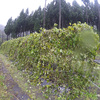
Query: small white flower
point(60, 50)
point(28, 80)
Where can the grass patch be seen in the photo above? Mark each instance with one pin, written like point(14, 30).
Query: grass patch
point(4, 95)
point(22, 79)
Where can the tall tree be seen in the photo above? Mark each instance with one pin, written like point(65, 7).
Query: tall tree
point(86, 2)
point(98, 13)
point(66, 13)
point(31, 22)
point(16, 28)
point(8, 28)
point(22, 21)
point(76, 13)
point(59, 13)
point(26, 19)
point(37, 17)
point(52, 15)
point(44, 14)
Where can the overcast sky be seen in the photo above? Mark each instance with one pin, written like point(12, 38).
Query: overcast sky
point(12, 8)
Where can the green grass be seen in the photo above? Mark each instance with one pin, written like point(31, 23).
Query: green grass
point(22, 79)
point(98, 71)
point(4, 95)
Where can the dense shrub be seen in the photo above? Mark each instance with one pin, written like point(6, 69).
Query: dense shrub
point(62, 56)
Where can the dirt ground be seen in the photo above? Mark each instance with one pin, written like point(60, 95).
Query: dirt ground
point(13, 91)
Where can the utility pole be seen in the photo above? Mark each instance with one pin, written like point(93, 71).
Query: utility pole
point(44, 14)
point(59, 13)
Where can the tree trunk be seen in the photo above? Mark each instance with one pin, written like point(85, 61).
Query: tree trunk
point(87, 14)
point(23, 34)
point(99, 18)
point(44, 14)
point(59, 13)
point(98, 8)
point(26, 33)
point(7, 37)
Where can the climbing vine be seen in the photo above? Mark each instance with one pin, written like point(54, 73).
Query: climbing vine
point(62, 57)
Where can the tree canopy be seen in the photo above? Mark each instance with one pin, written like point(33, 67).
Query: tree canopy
point(25, 22)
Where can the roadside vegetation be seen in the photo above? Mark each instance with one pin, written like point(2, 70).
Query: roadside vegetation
point(54, 63)
point(21, 78)
point(3, 89)
point(62, 57)
point(2, 37)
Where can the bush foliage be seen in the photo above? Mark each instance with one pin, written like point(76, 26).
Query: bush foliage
point(63, 57)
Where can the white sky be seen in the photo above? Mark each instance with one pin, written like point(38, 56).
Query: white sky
point(12, 8)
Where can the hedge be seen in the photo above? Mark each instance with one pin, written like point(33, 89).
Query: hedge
point(63, 57)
